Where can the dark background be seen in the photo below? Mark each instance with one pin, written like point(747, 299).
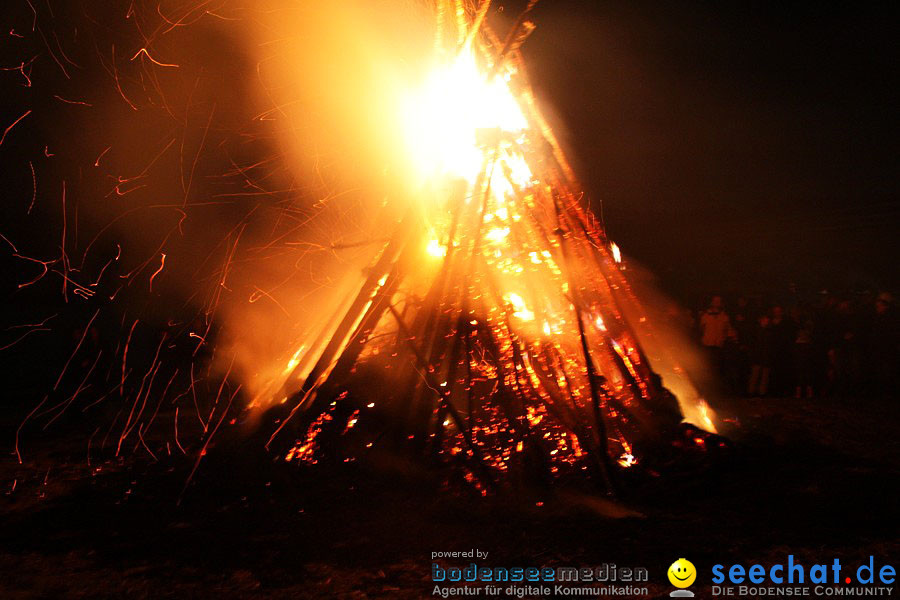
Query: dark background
point(727, 146)
point(732, 146)
point(735, 147)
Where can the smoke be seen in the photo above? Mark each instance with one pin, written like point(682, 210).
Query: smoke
point(230, 174)
point(329, 79)
point(663, 328)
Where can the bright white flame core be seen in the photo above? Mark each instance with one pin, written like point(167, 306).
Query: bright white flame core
point(435, 249)
point(617, 254)
point(449, 118)
point(520, 308)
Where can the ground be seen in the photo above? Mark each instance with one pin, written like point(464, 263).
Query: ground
point(814, 478)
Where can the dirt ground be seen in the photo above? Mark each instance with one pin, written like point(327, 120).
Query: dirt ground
point(813, 478)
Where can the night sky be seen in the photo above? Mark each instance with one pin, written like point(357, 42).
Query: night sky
point(738, 146)
point(734, 147)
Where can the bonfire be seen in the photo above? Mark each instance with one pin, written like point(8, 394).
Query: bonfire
point(495, 328)
point(492, 329)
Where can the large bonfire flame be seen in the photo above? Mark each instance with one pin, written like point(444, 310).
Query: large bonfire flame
point(496, 319)
point(493, 326)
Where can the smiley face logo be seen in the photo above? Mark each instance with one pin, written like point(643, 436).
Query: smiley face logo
point(682, 573)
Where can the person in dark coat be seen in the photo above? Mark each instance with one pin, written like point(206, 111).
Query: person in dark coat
point(761, 350)
point(783, 335)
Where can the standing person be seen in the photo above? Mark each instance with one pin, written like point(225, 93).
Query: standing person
point(743, 324)
point(804, 356)
point(845, 349)
point(714, 329)
point(782, 350)
point(822, 325)
point(760, 348)
point(883, 348)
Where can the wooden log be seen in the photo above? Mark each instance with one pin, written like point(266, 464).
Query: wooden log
point(363, 302)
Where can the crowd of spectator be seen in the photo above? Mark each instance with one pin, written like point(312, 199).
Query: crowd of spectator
point(830, 346)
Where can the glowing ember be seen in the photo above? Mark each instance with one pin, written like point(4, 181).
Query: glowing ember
point(520, 310)
point(627, 460)
point(706, 416)
point(616, 253)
